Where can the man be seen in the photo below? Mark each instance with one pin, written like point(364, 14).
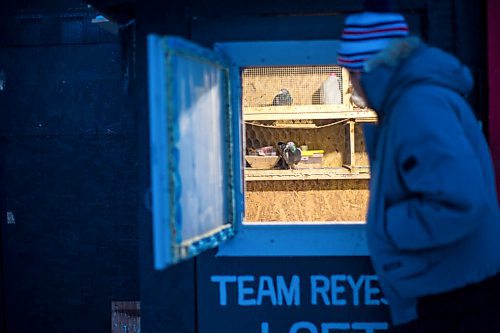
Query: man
point(433, 222)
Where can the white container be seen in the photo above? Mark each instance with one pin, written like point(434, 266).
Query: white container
point(330, 90)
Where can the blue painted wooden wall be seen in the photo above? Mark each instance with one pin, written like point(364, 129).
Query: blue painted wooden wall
point(68, 170)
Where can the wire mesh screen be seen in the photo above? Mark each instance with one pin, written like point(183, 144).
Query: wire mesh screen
point(291, 85)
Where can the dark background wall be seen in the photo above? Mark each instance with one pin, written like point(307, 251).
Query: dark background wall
point(68, 170)
point(74, 144)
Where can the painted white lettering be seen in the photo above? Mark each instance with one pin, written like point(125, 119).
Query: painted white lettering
point(370, 327)
point(337, 289)
point(222, 280)
point(320, 284)
point(290, 294)
point(266, 289)
point(329, 327)
point(371, 291)
point(355, 286)
point(303, 325)
point(243, 291)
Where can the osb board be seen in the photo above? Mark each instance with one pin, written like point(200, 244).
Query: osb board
point(303, 84)
point(359, 146)
point(330, 139)
point(312, 200)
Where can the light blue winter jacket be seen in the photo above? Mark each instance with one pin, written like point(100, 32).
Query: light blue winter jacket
point(433, 218)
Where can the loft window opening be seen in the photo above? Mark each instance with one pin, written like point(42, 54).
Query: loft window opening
point(313, 108)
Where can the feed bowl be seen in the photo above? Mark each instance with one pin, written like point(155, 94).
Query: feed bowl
point(262, 162)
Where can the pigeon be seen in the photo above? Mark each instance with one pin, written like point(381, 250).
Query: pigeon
point(290, 155)
point(357, 100)
point(283, 98)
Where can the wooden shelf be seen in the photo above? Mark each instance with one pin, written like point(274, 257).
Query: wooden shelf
point(306, 174)
point(307, 112)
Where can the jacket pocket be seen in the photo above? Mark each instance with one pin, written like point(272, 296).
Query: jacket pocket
point(405, 274)
point(405, 267)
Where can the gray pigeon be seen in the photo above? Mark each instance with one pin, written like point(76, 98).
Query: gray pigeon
point(283, 98)
point(357, 100)
point(290, 155)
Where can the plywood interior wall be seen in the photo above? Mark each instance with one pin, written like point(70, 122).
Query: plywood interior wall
point(312, 200)
point(359, 146)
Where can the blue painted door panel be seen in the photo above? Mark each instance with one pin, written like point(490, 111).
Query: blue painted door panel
point(191, 149)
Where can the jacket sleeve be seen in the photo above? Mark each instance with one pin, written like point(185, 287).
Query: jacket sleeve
point(440, 173)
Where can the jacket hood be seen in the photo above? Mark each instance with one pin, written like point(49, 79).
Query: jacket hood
point(407, 62)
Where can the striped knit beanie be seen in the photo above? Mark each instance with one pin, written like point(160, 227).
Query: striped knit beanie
point(366, 34)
